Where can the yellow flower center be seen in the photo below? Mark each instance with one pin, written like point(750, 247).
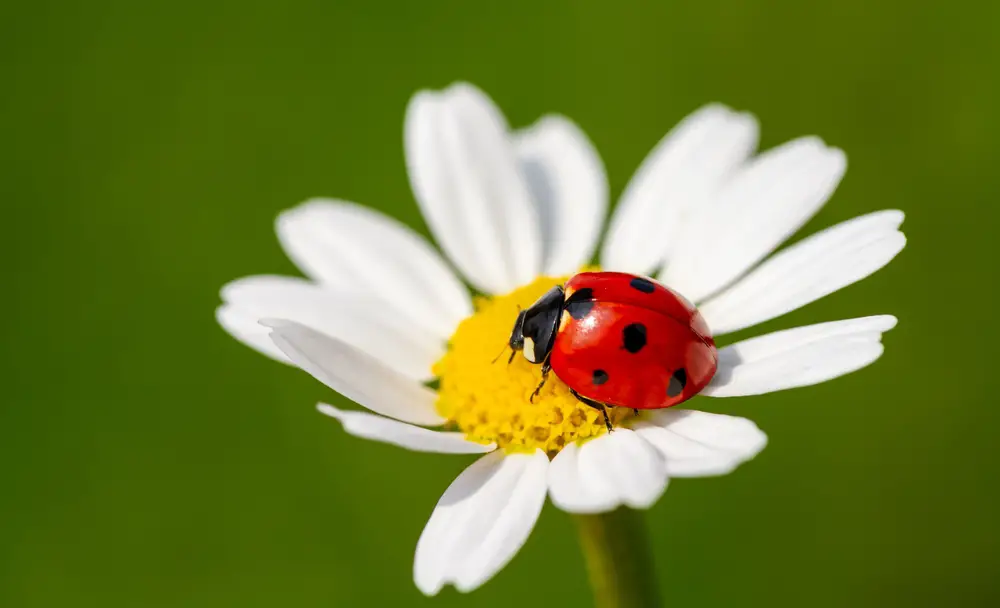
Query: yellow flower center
point(488, 399)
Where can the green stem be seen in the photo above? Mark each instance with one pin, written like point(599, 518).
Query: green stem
point(619, 559)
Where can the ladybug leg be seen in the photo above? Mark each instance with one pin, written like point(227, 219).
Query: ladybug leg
point(546, 368)
point(635, 411)
point(607, 421)
point(597, 405)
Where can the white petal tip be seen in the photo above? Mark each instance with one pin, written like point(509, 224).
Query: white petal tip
point(420, 100)
point(471, 584)
point(310, 203)
point(897, 216)
point(835, 158)
point(832, 153)
point(717, 108)
point(329, 410)
point(462, 87)
point(900, 244)
point(430, 589)
point(293, 214)
point(226, 290)
point(885, 322)
point(549, 121)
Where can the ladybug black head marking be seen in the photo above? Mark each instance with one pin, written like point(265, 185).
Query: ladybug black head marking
point(535, 328)
point(516, 341)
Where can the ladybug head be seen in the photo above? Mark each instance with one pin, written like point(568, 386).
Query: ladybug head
point(516, 341)
point(535, 328)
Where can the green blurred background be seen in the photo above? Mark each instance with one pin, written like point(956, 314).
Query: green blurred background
point(150, 460)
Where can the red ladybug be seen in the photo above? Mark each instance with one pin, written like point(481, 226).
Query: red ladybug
point(618, 340)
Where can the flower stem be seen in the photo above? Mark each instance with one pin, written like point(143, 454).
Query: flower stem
point(619, 559)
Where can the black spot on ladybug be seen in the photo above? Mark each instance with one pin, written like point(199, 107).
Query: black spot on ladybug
point(643, 285)
point(600, 376)
point(580, 303)
point(634, 336)
point(677, 383)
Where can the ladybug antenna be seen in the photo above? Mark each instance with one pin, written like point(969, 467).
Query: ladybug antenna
point(495, 359)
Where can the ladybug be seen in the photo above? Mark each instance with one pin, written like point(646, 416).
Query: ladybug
point(617, 340)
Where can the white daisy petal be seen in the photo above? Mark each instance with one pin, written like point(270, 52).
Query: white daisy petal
point(619, 468)
point(807, 271)
point(244, 327)
point(700, 444)
point(408, 436)
point(763, 204)
point(465, 176)
point(567, 180)
point(360, 321)
point(572, 490)
point(355, 374)
point(356, 250)
point(798, 357)
point(678, 176)
point(481, 521)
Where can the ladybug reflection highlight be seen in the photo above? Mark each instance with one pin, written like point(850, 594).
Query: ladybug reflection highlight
point(617, 340)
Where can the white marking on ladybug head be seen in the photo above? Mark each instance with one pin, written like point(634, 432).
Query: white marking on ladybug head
point(529, 349)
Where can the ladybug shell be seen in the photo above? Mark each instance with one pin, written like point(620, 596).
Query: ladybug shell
point(631, 342)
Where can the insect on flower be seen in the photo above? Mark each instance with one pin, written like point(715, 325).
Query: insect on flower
point(618, 340)
point(518, 214)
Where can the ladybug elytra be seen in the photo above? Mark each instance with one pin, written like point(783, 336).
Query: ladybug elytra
point(618, 340)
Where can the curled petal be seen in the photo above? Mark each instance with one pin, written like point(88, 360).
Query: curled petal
point(401, 434)
point(355, 374)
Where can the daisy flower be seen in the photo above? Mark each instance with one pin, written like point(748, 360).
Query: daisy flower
point(386, 321)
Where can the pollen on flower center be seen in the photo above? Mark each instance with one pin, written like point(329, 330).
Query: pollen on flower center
point(488, 399)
